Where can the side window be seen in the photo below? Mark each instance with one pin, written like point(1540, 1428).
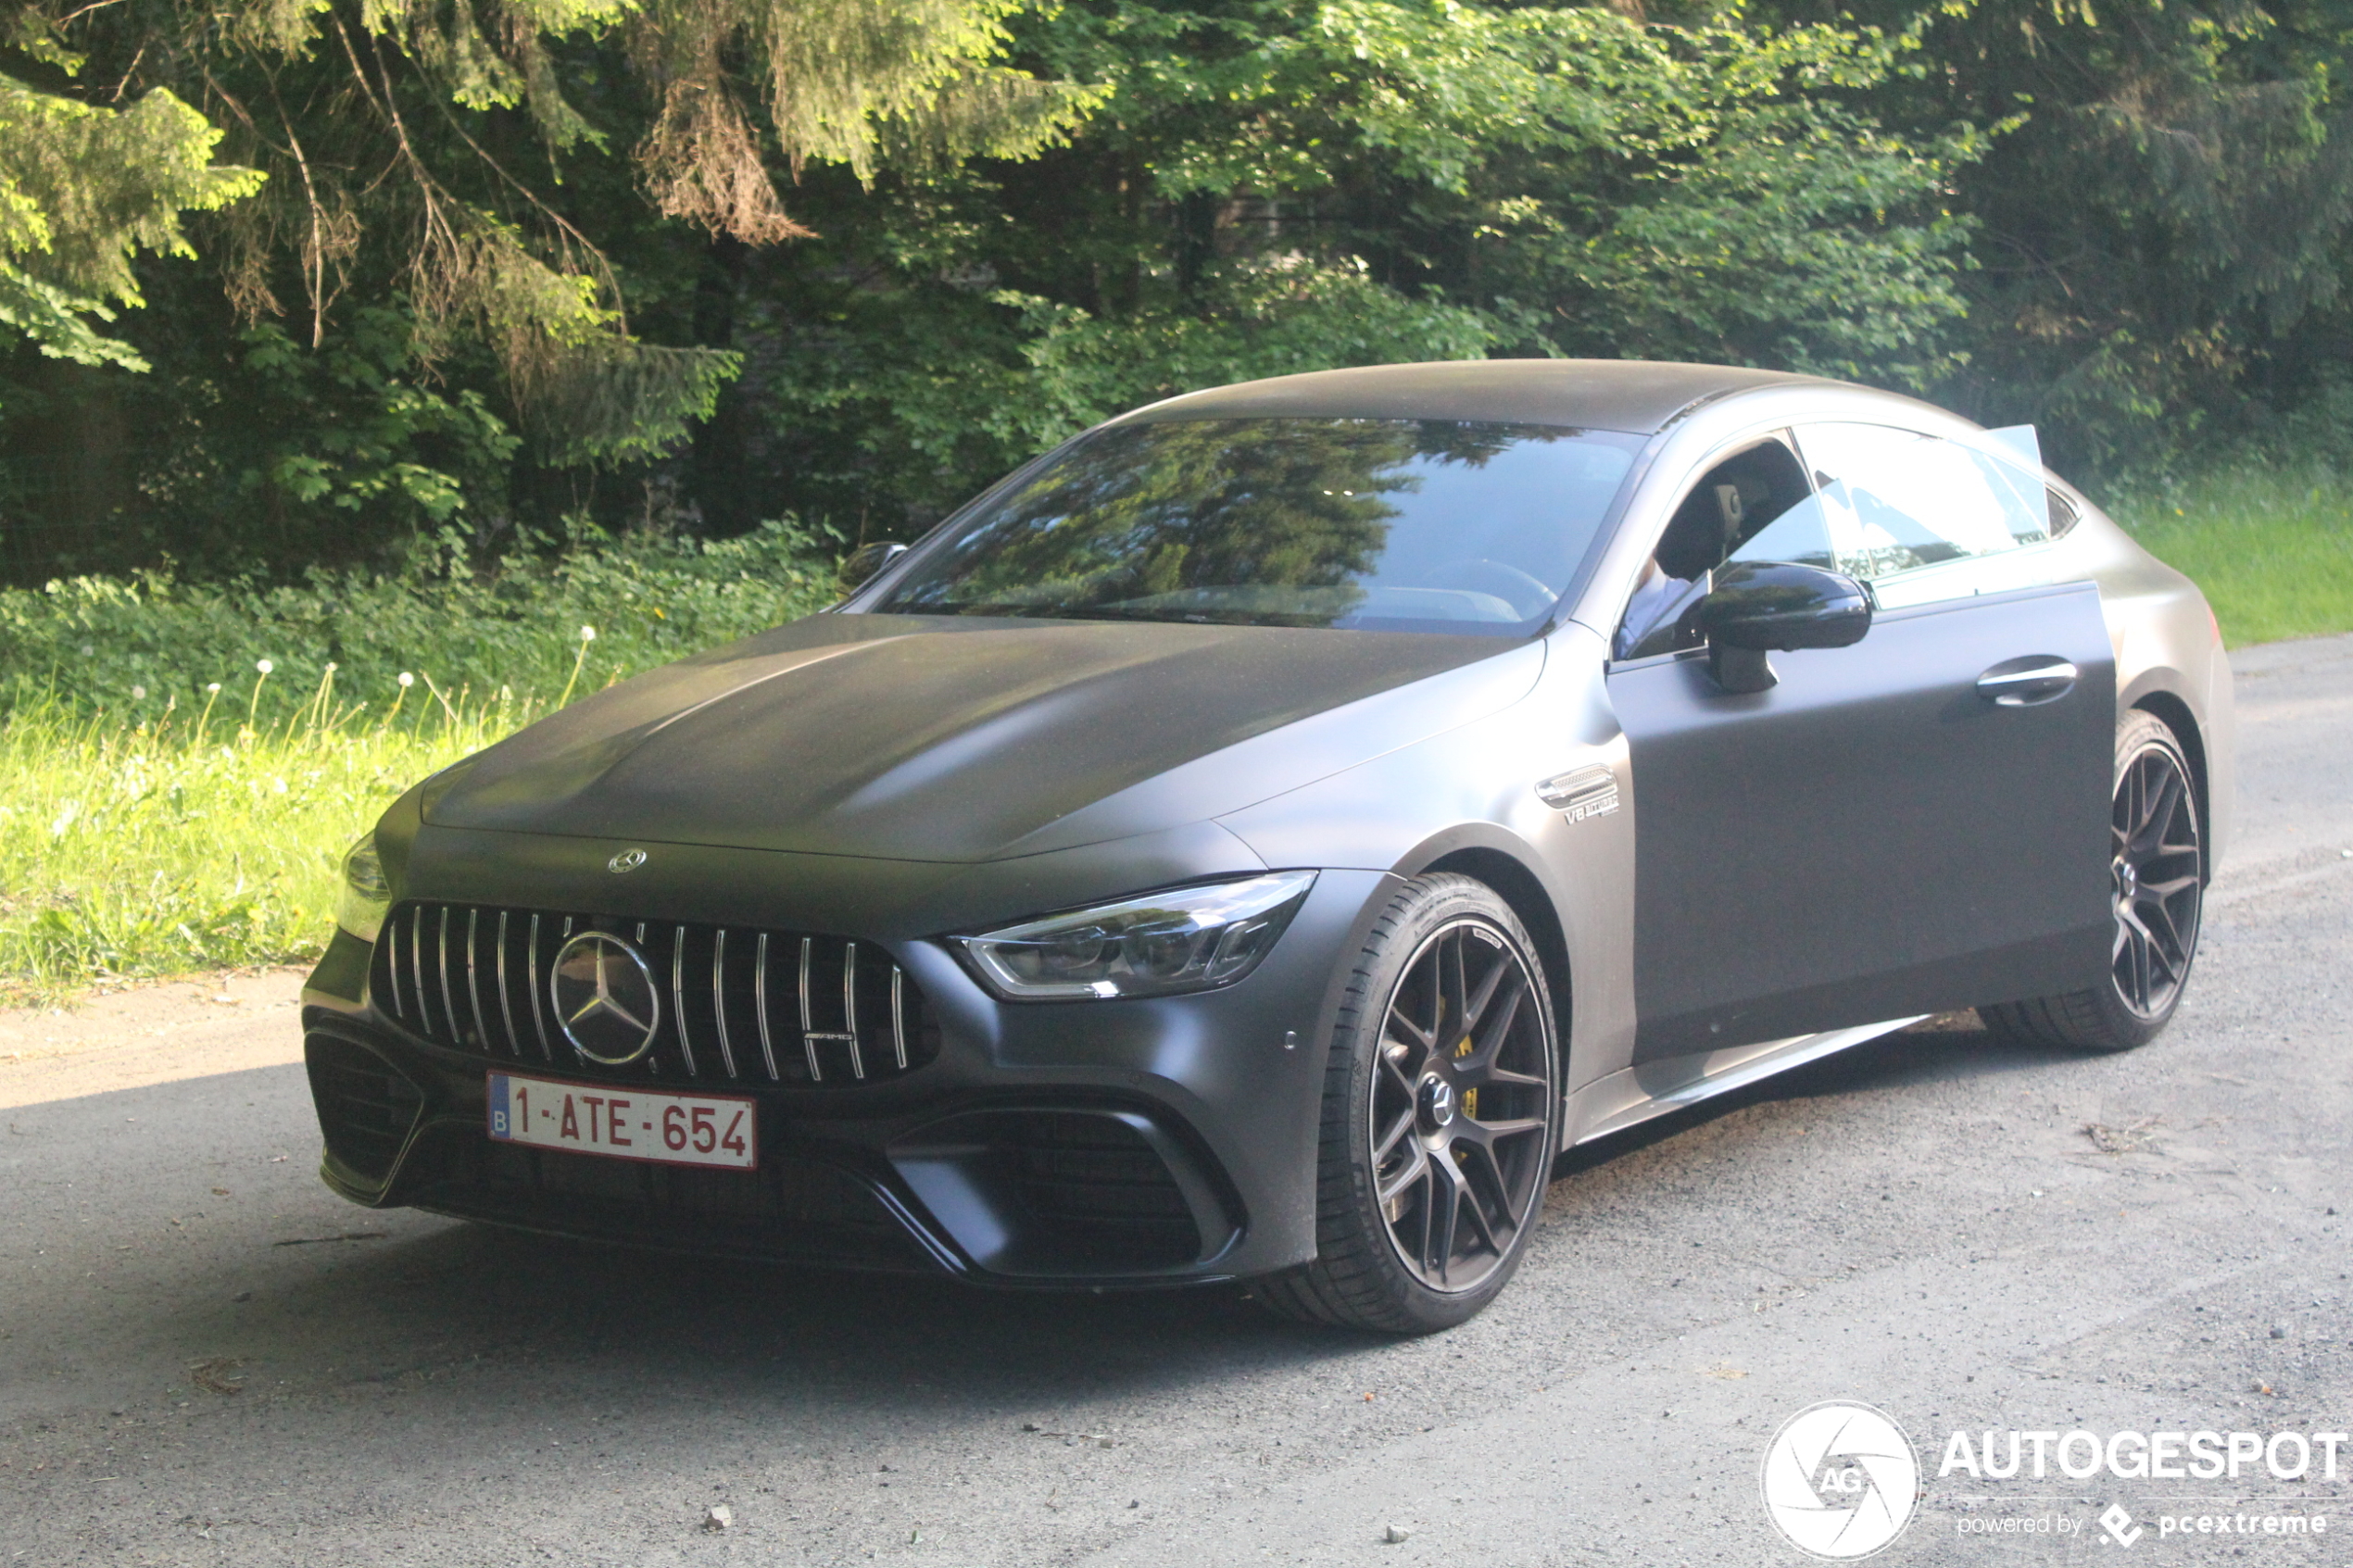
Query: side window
point(2064, 514)
point(1895, 504)
point(1736, 498)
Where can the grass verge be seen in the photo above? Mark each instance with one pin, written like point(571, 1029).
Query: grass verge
point(198, 842)
point(2273, 547)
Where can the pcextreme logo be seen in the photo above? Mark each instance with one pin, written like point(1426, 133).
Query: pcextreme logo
point(1840, 1480)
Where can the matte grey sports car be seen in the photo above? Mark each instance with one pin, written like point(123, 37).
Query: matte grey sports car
point(1254, 839)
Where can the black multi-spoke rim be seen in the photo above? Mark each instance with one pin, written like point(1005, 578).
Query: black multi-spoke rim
point(2156, 870)
point(1460, 1104)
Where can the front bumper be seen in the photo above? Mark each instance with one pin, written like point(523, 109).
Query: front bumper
point(1068, 1143)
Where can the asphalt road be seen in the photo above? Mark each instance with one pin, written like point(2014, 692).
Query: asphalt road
point(205, 1358)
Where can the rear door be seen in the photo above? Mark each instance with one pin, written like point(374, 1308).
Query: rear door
point(1876, 836)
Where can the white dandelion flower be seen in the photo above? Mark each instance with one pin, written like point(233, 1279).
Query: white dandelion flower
point(587, 634)
point(138, 694)
point(213, 686)
point(406, 679)
point(264, 666)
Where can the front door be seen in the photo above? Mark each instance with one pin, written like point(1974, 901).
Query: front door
point(1873, 837)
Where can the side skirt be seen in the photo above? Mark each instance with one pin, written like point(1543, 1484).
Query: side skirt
point(1634, 1095)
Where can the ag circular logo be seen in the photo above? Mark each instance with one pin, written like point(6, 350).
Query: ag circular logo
point(1840, 1480)
point(605, 997)
point(627, 860)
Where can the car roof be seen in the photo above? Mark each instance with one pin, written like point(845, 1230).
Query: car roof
point(1638, 397)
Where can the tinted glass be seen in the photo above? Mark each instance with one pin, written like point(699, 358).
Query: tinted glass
point(1389, 524)
point(1893, 501)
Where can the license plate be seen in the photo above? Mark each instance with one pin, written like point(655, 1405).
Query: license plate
point(624, 1124)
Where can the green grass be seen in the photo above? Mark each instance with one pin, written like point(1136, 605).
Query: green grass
point(2273, 547)
point(182, 766)
point(201, 842)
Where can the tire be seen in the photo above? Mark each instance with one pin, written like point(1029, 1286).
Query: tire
point(2158, 876)
point(1433, 1158)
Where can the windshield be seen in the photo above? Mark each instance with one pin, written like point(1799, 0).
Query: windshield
point(1427, 525)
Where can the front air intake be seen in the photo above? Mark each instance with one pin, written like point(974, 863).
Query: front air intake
point(366, 1108)
point(736, 1005)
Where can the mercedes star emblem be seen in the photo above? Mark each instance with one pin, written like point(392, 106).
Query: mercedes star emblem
point(627, 860)
point(605, 997)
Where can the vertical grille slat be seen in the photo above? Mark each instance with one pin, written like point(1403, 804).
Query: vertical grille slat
point(390, 932)
point(808, 1040)
point(899, 1015)
point(719, 1000)
point(474, 976)
point(531, 977)
point(417, 964)
point(440, 952)
point(506, 1008)
point(850, 1009)
point(880, 1030)
point(678, 1000)
point(759, 1002)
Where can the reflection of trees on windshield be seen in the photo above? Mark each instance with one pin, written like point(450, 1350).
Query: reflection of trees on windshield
point(1150, 509)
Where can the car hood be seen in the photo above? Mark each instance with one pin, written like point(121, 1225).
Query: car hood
point(962, 739)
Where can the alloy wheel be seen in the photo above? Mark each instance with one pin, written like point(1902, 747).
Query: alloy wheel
point(1460, 1105)
point(2156, 866)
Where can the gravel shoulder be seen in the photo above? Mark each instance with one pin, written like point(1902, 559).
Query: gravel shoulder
point(205, 1358)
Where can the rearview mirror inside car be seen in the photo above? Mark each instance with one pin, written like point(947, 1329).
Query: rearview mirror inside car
point(1756, 607)
point(861, 565)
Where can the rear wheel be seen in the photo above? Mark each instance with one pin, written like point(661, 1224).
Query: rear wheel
point(1439, 1118)
point(2157, 881)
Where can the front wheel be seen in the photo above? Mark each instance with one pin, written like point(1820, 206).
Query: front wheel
point(1439, 1118)
point(2158, 873)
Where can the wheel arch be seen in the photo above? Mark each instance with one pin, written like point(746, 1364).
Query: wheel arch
point(2178, 716)
point(1520, 887)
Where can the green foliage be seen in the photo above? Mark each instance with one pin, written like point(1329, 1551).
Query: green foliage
point(357, 435)
point(2163, 233)
point(137, 650)
point(399, 134)
point(83, 190)
point(1272, 187)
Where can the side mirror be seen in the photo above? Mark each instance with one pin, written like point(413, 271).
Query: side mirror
point(861, 565)
point(1754, 607)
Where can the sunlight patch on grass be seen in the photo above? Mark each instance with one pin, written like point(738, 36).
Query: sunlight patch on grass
point(2271, 548)
point(201, 840)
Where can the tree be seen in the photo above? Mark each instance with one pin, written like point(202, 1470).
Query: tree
point(1272, 186)
point(2163, 227)
point(83, 189)
point(445, 180)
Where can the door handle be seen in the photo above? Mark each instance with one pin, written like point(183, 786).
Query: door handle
point(2021, 683)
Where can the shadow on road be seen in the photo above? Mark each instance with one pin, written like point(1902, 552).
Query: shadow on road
point(1938, 1051)
point(436, 1306)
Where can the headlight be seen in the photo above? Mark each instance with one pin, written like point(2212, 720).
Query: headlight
point(1185, 939)
point(365, 894)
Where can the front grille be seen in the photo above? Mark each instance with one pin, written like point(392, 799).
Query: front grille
point(738, 1005)
point(365, 1108)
